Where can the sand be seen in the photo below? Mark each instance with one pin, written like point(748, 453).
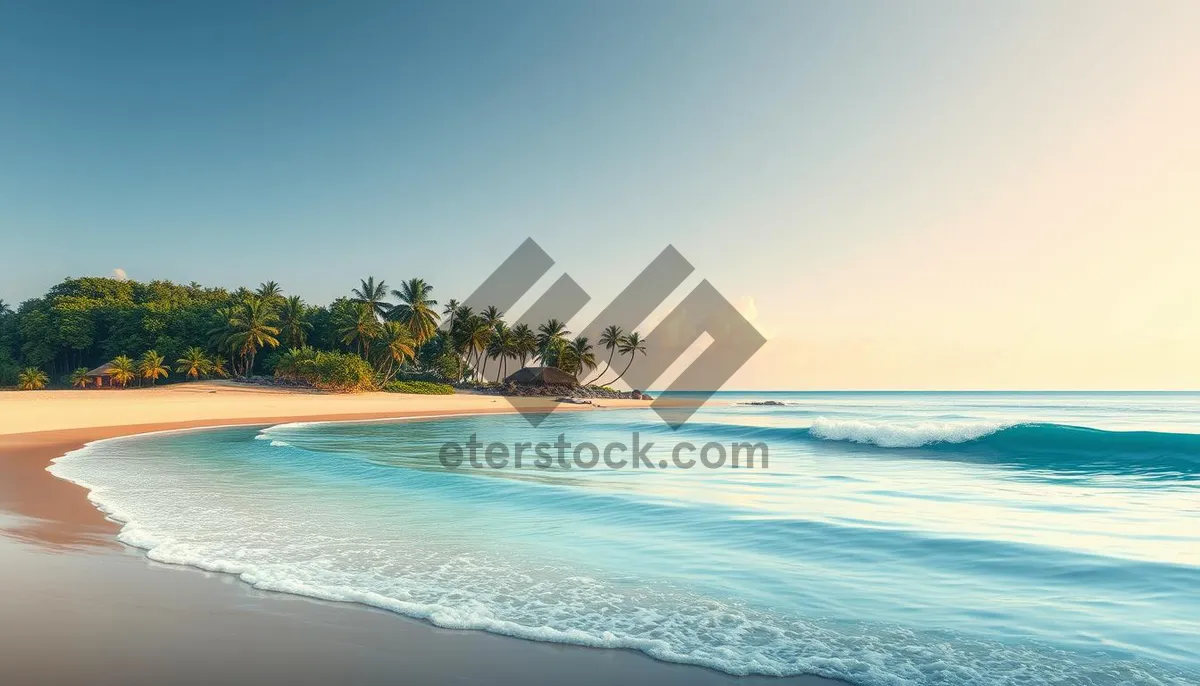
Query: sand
point(81, 608)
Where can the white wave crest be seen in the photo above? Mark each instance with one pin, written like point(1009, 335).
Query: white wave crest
point(892, 435)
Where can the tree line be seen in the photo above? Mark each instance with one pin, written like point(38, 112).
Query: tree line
point(366, 339)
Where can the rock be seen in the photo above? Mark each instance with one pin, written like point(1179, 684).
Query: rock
point(573, 401)
point(636, 395)
point(767, 402)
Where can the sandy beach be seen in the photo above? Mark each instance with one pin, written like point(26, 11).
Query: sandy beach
point(97, 612)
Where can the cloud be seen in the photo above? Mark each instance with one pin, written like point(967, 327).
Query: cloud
point(119, 274)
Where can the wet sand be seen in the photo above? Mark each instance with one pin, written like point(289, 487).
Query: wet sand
point(78, 607)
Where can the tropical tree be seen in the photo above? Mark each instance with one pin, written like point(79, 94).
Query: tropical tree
point(579, 356)
point(216, 367)
point(491, 315)
point(610, 340)
point(220, 334)
point(524, 342)
point(5, 309)
point(463, 313)
point(476, 336)
point(123, 370)
point(32, 379)
point(270, 292)
point(448, 311)
point(253, 326)
point(294, 323)
point(631, 345)
point(396, 346)
point(416, 309)
point(551, 337)
point(151, 366)
point(79, 378)
point(359, 328)
point(373, 295)
point(194, 363)
point(502, 346)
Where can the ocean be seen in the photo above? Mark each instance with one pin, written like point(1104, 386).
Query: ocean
point(887, 539)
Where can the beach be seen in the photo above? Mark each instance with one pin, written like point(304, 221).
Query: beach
point(92, 610)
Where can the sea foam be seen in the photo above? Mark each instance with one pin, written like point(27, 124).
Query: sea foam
point(318, 515)
point(901, 435)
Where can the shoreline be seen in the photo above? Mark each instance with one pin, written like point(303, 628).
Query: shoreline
point(60, 512)
point(49, 520)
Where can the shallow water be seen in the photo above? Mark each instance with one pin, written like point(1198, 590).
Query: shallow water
point(892, 538)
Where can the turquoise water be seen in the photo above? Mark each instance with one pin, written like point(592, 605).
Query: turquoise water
point(891, 538)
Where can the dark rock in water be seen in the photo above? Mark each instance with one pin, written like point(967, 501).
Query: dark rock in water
point(636, 395)
point(767, 402)
point(646, 396)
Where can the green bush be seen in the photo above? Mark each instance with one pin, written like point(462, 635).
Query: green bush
point(421, 387)
point(332, 371)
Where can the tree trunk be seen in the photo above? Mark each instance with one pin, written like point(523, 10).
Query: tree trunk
point(627, 366)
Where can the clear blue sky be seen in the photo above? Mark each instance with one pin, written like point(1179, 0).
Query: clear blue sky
point(836, 167)
point(314, 143)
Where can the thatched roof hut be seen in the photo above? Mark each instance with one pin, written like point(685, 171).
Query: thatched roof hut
point(541, 376)
point(102, 375)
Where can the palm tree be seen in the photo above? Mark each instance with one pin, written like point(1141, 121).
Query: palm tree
point(151, 366)
point(551, 337)
point(122, 370)
point(611, 340)
point(491, 317)
point(293, 322)
point(502, 346)
point(463, 313)
point(359, 329)
point(448, 311)
point(631, 345)
point(32, 379)
point(476, 336)
point(524, 342)
point(216, 367)
point(396, 347)
point(415, 309)
point(270, 292)
point(79, 378)
point(221, 333)
point(373, 295)
point(580, 355)
point(254, 328)
point(194, 363)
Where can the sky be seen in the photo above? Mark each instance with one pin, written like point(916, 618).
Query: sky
point(924, 195)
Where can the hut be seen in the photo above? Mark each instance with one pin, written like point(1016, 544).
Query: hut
point(101, 376)
point(541, 376)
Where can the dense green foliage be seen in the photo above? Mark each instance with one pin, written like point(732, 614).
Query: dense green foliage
point(326, 369)
point(164, 332)
point(421, 387)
